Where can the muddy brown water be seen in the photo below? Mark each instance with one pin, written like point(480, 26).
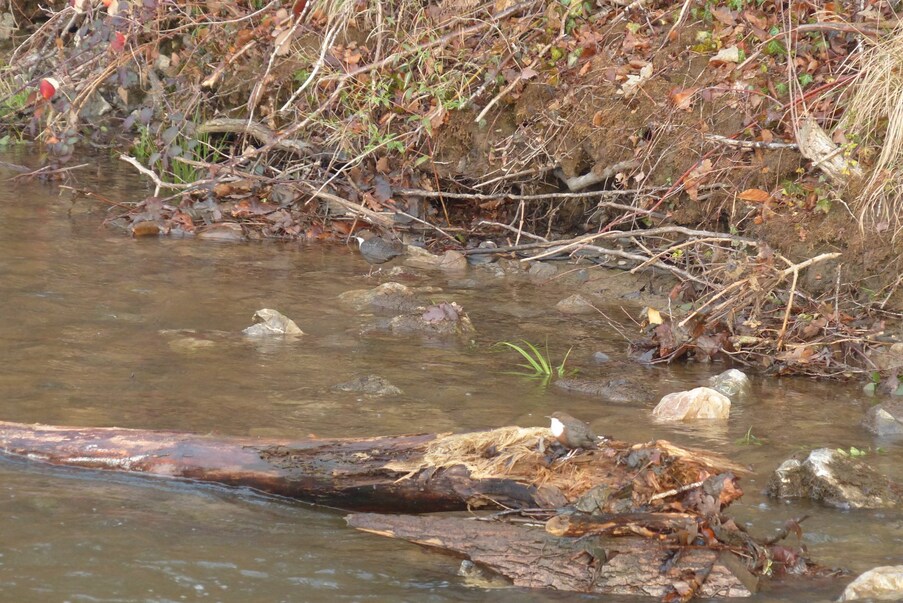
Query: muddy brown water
point(85, 321)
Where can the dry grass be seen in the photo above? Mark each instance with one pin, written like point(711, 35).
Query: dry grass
point(504, 451)
point(874, 119)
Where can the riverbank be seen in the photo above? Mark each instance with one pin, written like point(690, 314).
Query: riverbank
point(703, 142)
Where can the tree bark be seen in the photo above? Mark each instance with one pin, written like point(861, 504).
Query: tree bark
point(346, 473)
point(532, 558)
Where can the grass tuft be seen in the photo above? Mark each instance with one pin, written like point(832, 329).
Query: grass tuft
point(874, 120)
point(538, 363)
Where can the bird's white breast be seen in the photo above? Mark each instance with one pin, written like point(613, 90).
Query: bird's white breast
point(557, 427)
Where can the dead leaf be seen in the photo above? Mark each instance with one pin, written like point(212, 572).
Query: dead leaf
point(695, 178)
point(283, 41)
point(633, 83)
point(756, 195)
point(654, 316)
point(731, 54)
point(682, 98)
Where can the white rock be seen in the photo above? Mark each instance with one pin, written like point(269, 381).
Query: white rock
point(883, 583)
point(699, 403)
point(269, 322)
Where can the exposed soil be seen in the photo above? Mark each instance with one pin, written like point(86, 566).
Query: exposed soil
point(673, 129)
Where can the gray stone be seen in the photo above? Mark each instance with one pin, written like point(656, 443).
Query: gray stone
point(699, 403)
point(442, 319)
point(372, 385)
point(889, 358)
point(575, 304)
point(479, 259)
point(884, 419)
point(449, 261)
point(493, 269)
point(541, 271)
point(96, 106)
point(613, 390)
point(883, 583)
point(833, 478)
point(453, 261)
point(387, 296)
point(512, 267)
point(601, 357)
point(732, 383)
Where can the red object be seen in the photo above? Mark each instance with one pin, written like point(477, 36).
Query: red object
point(118, 42)
point(48, 87)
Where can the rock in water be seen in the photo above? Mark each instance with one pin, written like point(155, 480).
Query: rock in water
point(885, 419)
point(699, 403)
point(732, 383)
point(834, 479)
point(883, 583)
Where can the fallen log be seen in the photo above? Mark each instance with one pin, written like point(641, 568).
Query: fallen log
point(509, 467)
point(620, 518)
point(346, 473)
point(532, 558)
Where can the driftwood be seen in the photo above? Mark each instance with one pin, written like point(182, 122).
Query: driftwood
point(346, 473)
point(633, 519)
point(504, 468)
point(532, 558)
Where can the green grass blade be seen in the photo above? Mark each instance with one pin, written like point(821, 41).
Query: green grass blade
point(542, 361)
point(561, 366)
point(526, 355)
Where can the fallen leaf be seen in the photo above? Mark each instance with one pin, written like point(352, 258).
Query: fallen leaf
point(756, 195)
point(654, 316)
point(731, 54)
point(682, 98)
point(283, 41)
point(633, 83)
point(695, 177)
point(117, 44)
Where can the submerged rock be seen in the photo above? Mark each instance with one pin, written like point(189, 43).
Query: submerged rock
point(601, 357)
point(575, 304)
point(270, 323)
point(388, 296)
point(699, 403)
point(884, 419)
point(372, 385)
point(613, 390)
point(421, 258)
point(732, 383)
point(444, 318)
point(835, 479)
point(883, 583)
point(478, 259)
point(541, 271)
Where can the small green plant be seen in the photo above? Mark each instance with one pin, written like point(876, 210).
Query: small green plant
point(540, 364)
point(750, 440)
point(853, 452)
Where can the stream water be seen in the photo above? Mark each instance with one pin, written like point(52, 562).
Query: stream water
point(86, 321)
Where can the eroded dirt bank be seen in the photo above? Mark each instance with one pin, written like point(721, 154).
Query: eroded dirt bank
point(703, 140)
